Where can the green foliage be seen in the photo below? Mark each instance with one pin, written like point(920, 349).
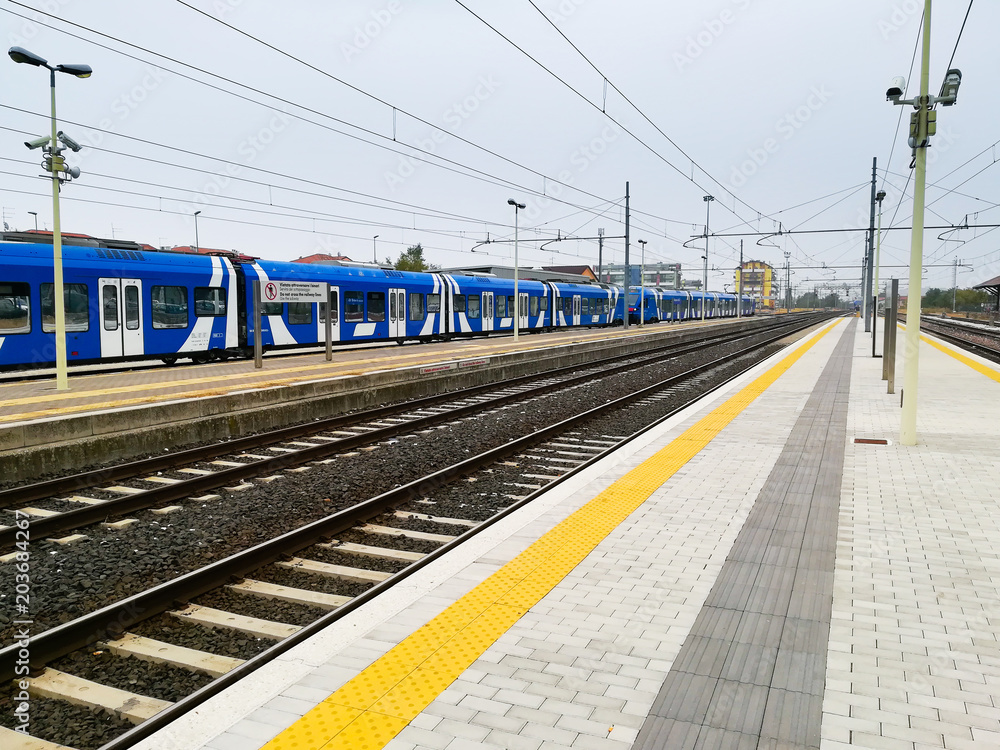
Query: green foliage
point(412, 259)
point(967, 300)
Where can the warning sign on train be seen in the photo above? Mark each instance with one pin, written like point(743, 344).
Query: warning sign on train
point(294, 291)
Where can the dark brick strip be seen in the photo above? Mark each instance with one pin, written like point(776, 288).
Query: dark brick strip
point(751, 672)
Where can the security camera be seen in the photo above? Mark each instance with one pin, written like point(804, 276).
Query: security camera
point(69, 142)
point(949, 89)
point(896, 88)
point(38, 142)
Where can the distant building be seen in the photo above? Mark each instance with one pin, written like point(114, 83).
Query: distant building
point(756, 279)
point(323, 258)
point(575, 270)
point(665, 275)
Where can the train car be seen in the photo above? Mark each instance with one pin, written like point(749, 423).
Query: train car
point(583, 304)
point(119, 304)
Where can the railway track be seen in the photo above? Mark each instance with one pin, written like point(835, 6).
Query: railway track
point(976, 339)
point(322, 570)
point(75, 502)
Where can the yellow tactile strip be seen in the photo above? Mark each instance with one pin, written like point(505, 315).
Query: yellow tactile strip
point(977, 366)
point(373, 707)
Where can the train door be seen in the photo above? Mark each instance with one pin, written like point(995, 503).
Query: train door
point(121, 317)
point(576, 309)
point(397, 313)
point(522, 310)
point(487, 311)
point(334, 308)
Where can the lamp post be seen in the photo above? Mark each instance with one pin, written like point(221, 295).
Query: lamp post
point(56, 164)
point(704, 292)
point(600, 253)
point(878, 248)
point(517, 297)
point(374, 250)
point(642, 282)
point(923, 124)
point(196, 243)
point(35, 214)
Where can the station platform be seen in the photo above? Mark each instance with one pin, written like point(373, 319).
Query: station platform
point(118, 416)
point(746, 575)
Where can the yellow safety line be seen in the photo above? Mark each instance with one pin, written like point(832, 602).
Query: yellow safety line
point(977, 366)
point(373, 707)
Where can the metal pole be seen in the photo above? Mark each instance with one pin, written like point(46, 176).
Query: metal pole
point(35, 214)
point(704, 292)
point(642, 282)
point(878, 250)
point(600, 253)
point(739, 292)
point(62, 373)
point(908, 419)
point(258, 346)
point(866, 290)
point(197, 244)
point(627, 269)
point(374, 250)
point(329, 324)
point(517, 297)
point(891, 339)
point(954, 286)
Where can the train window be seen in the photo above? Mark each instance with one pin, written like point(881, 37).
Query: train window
point(109, 298)
point(533, 305)
point(544, 304)
point(76, 306)
point(170, 306)
point(131, 307)
point(474, 306)
point(567, 305)
point(335, 302)
point(607, 307)
point(272, 308)
point(510, 306)
point(501, 306)
point(376, 307)
point(209, 301)
point(300, 313)
point(460, 303)
point(14, 311)
point(433, 303)
point(354, 307)
point(416, 307)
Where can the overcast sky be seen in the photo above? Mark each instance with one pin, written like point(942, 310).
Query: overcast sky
point(775, 109)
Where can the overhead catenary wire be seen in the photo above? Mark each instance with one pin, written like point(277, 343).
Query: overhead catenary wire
point(634, 106)
point(582, 96)
point(434, 159)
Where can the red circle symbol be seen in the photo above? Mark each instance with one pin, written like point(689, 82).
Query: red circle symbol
point(270, 291)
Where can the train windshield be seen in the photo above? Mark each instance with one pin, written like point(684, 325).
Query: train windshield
point(633, 298)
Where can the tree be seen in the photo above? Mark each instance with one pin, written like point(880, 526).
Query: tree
point(412, 259)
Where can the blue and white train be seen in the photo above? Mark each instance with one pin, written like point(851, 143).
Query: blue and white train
point(125, 304)
point(676, 305)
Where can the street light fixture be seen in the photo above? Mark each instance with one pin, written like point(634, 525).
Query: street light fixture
point(642, 282)
point(196, 243)
point(35, 214)
point(374, 250)
point(517, 297)
point(704, 292)
point(56, 164)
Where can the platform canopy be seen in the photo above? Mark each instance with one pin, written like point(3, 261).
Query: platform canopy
point(993, 287)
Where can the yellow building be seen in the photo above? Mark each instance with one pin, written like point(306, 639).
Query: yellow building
point(756, 279)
